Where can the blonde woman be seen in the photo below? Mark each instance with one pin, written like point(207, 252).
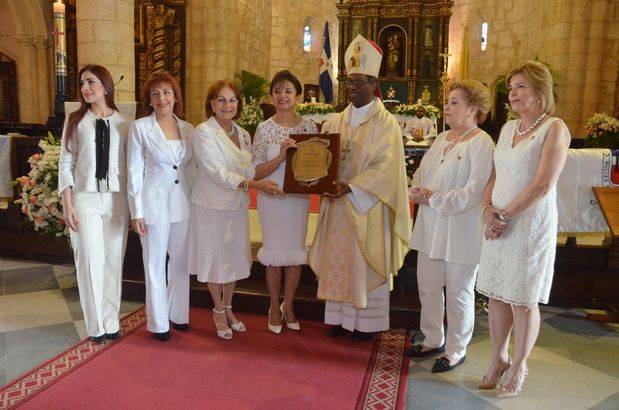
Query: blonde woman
point(449, 187)
point(520, 216)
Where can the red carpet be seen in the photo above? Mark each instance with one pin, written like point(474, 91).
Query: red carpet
point(195, 369)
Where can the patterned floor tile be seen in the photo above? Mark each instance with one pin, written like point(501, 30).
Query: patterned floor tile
point(30, 347)
point(34, 309)
point(610, 403)
point(29, 280)
point(10, 264)
point(571, 323)
point(65, 275)
point(72, 299)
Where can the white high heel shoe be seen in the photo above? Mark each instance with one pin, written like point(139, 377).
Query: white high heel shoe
point(292, 326)
point(238, 326)
point(277, 329)
point(224, 333)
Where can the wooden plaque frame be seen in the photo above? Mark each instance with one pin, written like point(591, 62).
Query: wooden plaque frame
point(325, 184)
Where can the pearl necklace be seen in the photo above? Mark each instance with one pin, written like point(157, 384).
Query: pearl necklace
point(537, 121)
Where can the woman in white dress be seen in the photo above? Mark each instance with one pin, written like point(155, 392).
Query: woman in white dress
point(520, 215)
point(160, 168)
point(449, 187)
point(92, 182)
point(219, 251)
point(283, 219)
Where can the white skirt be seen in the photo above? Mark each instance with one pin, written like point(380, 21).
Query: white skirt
point(284, 227)
point(219, 248)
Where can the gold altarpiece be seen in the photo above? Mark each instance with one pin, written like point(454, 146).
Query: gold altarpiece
point(159, 40)
point(413, 35)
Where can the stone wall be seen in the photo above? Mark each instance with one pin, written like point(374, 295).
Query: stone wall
point(105, 36)
point(579, 39)
point(25, 38)
point(289, 18)
point(259, 36)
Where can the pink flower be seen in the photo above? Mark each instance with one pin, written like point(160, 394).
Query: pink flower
point(38, 219)
point(33, 199)
point(23, 180)
point(36, 157)
point(32, 183)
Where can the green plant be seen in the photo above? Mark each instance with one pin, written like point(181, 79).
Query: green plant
point(251, 86)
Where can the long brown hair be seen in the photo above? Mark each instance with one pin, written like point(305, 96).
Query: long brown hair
point(75, 117)
point(154, 79)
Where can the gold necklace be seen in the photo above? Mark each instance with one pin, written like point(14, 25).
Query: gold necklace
point(451, 144)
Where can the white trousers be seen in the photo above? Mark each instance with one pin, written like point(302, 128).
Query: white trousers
point(374, 318)
point(99, 249)
point(171, 301)
point(459, 283)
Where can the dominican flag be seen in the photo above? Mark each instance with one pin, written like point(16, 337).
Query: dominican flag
point(326, 66)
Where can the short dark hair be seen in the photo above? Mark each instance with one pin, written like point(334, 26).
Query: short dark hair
point(213, 92)
point(285, 75)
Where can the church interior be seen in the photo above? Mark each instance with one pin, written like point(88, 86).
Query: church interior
point(427, 45)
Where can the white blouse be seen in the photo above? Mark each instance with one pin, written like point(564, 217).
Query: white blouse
point(77, 164)
point(450, 227)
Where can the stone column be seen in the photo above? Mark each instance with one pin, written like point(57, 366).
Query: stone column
point(42, 46)
point(28, 92)
point(211, 51)
point(105, 37)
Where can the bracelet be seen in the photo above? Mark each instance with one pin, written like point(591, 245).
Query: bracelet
point(481, 214)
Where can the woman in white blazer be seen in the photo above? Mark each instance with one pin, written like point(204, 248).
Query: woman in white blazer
point(219, 235)
point(449, 187)
point(92, 181)
point(160, 170)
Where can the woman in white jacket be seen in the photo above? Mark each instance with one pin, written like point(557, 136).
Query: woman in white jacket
point(449, 187)
point(92, 181)
point(219, 235)
point(160, 167)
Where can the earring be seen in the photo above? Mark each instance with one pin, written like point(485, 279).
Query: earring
point(539, 101)
point(105, 93)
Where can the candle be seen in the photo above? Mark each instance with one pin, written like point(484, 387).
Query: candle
point(59, 7)
point(313, 100)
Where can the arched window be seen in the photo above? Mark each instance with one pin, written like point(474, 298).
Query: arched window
point(484, 36)
point(307, 38)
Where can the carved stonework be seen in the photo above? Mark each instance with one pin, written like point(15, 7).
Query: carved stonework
point(159, 39)
point(412, 34)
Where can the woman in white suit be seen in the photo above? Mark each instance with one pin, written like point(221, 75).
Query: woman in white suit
point(92, 182)
point(219, 240)
point(160, 168)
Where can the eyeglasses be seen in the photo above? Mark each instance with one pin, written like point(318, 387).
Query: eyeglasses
point(222, 101)
point(357, 83)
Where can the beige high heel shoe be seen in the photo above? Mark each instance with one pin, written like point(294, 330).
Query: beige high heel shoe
point(487, 384)
point(277, 329)
point(223, 333)
point(507, 391)
point(238, 326)
point(292, 326)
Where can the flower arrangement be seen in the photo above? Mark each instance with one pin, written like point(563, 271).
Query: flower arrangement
point(602, 131)
point(251, 115)
point(39, 197)
point(316, 108)
point(432, 111)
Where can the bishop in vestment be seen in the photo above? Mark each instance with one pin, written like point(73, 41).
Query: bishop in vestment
point(363, 230)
